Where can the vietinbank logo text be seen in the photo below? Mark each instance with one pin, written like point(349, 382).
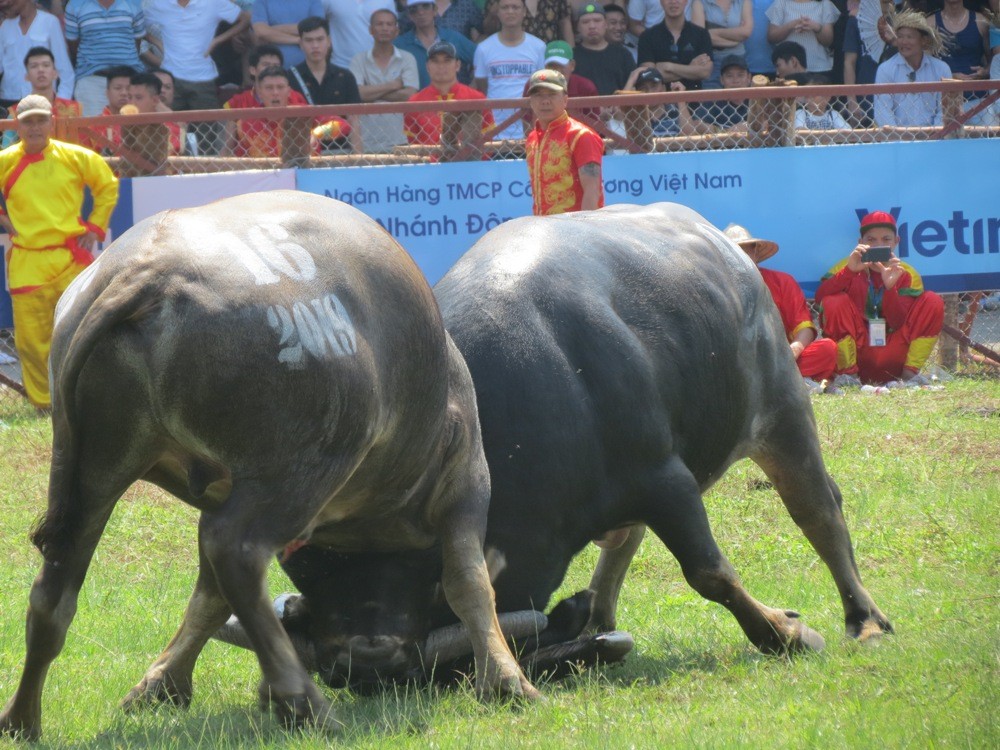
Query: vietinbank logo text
point(960, 233)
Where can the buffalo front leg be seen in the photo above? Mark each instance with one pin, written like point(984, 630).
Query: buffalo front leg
point(677, 515)
point(239, 548)
point(68, 541)
point(470, 594)
point(813, 499)
point(609, 575)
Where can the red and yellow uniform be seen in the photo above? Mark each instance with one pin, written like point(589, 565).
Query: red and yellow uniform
point(258, 138)
point(425, 127)
point(555, 155)
point(43, 194)
point(913, 317)
point(819, 359)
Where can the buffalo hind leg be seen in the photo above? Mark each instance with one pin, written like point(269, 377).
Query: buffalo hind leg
point(677, 515)
point(794, 465)
point(609, 575)
point(68, 543)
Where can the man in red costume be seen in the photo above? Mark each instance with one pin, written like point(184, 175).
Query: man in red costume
point(563, 155)
point(884, 322)
point(815, 357)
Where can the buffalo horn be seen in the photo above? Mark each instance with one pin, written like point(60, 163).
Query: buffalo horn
point(452, 642)
point(234, 634)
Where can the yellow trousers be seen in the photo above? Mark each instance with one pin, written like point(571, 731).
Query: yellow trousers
point(33, 314)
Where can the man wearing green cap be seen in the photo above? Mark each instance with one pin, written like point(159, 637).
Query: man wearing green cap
point(563, 155)
point(605, 63)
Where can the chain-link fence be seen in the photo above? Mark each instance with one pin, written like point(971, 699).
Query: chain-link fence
point(766, 115)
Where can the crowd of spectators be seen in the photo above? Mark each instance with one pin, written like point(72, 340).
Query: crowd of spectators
point(84, 55)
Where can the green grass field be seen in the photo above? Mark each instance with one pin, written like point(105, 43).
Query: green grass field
point(920, 474)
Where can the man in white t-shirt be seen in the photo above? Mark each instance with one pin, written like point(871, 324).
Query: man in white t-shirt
point(505, 61)
point(43, 30)
point(188, 38)
point(349, 21)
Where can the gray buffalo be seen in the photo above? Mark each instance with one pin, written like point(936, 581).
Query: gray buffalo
point(623, 359)
point(279, 363)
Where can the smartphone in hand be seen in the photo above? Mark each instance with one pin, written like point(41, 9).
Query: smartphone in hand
point(880, 254)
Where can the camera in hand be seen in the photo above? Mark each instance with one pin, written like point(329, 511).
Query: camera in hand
point(879, 254)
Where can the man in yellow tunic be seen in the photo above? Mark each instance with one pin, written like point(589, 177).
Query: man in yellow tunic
point(43, 183)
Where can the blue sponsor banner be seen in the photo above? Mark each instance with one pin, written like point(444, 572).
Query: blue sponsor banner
point(807, 199)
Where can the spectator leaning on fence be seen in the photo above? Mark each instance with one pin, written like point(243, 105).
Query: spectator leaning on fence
point(262, 57)
point(724, 115)
point(276, 22)
point(563, 155)
point(384, 74)
point(102, 34)
point(51, 242)
point(144, 94)
point(506, 60)
point(607, 64)
point(322, 82)
point(261, 138)
point(29, 27)
point(680, 50)
point(884, 322)
point(917, 41)
point(815, 357)
point(427, 32)
point(662, 119)
point(424, 127)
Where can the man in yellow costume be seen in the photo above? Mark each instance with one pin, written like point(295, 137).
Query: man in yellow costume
point(43, 183)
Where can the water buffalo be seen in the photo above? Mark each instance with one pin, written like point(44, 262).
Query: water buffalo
point(622, 360)
point(279, 363)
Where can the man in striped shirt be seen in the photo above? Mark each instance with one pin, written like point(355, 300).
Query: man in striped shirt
point(102, 34)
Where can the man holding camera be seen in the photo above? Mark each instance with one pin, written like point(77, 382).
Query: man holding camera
point(876, 309)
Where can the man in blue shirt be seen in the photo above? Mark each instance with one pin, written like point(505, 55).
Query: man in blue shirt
point(425, 32)
point(276, 22)
point(102, 34)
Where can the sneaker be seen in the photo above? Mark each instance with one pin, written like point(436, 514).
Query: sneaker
point(812, 386)
point(833, 390)
point(917, 380)
point(845, 380)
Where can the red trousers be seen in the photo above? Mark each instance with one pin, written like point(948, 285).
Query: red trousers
point(818, 360)
point(908, 347)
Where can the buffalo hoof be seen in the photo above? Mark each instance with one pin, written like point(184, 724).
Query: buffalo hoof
point(19, 728)
point(870, 630)
point(562, 659)
point(788, 635)
point(154, 692)
point(305, 711)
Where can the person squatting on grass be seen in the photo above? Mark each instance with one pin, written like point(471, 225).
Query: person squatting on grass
point(815, 357)
point(52, 243)
point(884, 322)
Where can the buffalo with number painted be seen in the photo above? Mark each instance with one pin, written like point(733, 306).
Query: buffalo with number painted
point(278, 362)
